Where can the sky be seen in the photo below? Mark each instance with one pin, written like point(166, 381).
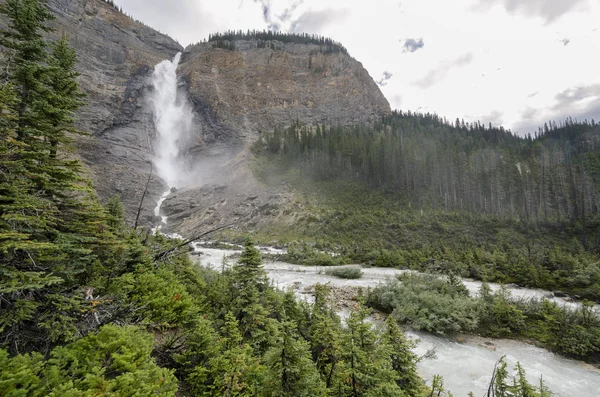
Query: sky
point(515, 63)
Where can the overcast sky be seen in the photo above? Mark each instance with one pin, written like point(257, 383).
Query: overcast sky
point(516, 63)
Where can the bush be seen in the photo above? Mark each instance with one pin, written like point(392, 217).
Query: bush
point(351, 273)
point(115, 361)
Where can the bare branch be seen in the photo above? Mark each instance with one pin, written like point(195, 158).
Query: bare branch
point(137, 217)
point(163, 254)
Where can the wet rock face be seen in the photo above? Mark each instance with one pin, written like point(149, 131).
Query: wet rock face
point(234, 95)
point(242, 92)
point(194, 211)
point(116, 56)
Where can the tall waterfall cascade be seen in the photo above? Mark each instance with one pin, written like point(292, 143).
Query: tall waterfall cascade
point(173, 120)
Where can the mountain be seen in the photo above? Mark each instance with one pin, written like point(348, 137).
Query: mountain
point(234, 94)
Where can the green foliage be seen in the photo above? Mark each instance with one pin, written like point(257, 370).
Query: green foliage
point(291, 370)
point(115, 361)
point(325, 336)
point(156, 298)
point(351, 273)
point(367, 369)
point(415, 191)
point(502, 386)
point(248, 290)
point(305, 254)
point(440, 305)
point(428, 303)
point(404, 361)
point(268, 38)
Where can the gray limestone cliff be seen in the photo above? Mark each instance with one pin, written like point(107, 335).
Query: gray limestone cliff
point(234, 96)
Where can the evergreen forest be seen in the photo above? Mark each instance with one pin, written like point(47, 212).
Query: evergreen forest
point(415, 191)
point(90, 306)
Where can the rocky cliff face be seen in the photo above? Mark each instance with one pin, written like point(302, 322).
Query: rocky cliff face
point(253, 89)
point(116, 56)
point(234, 95)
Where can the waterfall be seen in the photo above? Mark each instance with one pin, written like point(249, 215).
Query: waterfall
point(173, 120)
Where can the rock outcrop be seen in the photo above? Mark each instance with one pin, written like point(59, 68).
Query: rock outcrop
point(116, 55)
point(235, 94)
point(240, 93)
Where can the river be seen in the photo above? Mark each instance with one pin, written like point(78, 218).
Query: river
point(466, 365)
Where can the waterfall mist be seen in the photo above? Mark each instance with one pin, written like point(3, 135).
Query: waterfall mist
point(173, 120)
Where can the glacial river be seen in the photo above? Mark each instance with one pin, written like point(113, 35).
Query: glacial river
point(466, 365)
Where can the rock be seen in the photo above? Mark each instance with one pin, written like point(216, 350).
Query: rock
point(233, 95)
point(489, 345)
point(560, 294)
point(115, 55)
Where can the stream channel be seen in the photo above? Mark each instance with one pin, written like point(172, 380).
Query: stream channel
point(466, 365)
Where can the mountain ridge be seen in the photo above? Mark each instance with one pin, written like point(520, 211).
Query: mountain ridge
point(280, 84)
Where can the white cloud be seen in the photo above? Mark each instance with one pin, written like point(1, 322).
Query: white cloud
point(550, 10)
point(518, 64)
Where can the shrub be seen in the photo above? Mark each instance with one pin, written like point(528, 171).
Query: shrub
point(351, 273)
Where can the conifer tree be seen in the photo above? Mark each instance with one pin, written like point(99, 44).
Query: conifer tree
point(325, 336)
point(52, 227)
point(63, 94)
point(291, 370)
point(249, 287)
point(404, 361)
point(234, 371)
point(27, 52)
point(368, 367)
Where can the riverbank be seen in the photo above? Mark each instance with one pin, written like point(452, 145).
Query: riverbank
point(456, 360)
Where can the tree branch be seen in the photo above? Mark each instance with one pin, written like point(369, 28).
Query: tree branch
point(163, 254)
point(137, 217)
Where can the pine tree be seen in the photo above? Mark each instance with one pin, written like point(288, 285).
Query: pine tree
point(368, 367)
point(325, 336)
point(63, 94)
point(250, 286)
point(27, 51)
point(234, 370)
point(53, 230)
point(291, 370)
point(404, 361)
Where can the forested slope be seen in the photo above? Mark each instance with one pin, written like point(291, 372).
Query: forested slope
point(416, 191)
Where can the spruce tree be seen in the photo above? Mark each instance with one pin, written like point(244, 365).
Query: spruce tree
point(249, 286)
point(234, 370)
point(27, 49)
point(325, 336)
point(64, 95)
point(368, 367)
point(291, 370)
point(404, 361)
point(53, 230)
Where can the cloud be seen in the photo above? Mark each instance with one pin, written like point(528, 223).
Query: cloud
point(396, 101)
point(565, 41)
point(314, 21)
point(495, 117)
point(384, 79)
point(436, 75)
point(309, 21)
point(550, 10)
point(193, 21)
point(580, 103)
point(286, 15)
point(412, 45)
point(582, 100)
point(267, 13)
